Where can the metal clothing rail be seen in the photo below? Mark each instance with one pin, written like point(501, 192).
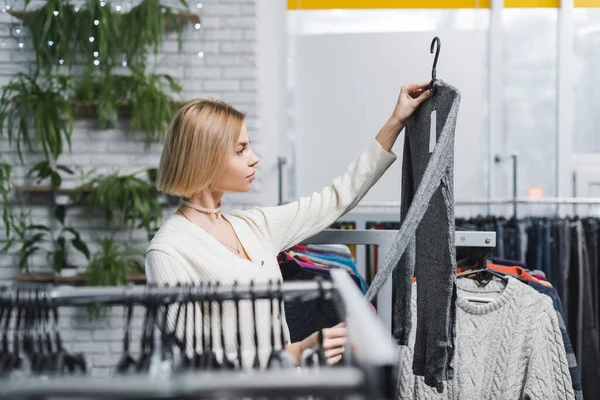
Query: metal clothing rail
point(498, 201)
point(221, 385)
point(112, 295)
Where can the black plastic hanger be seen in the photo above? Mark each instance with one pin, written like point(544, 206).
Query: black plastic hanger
point(15, 359)
point(146, 344)
point(210, 358)
point(226, 363)
point(256, 362)
point(50, 361)
point(319, 312)
point(483, 276)
point(167, 337)
point(236, 298)
point(127, 362)
point(186, 361)
point(436, 40)
point(279, 358)
point(274, 360)
point(66, 362)
point(198, 360)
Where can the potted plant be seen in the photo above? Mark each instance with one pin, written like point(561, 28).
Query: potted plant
point(124, 199)
point(112, 265)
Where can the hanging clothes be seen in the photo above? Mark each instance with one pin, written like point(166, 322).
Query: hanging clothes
point(509, 348)
point(427, 235)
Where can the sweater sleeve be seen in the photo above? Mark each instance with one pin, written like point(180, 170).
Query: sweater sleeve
point(289, 224)
point(162, 268)
point(548, 375)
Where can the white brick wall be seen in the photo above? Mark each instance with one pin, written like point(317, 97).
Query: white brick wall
point(227, 71)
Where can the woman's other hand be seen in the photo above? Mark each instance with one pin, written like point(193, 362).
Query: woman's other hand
point(334, 344)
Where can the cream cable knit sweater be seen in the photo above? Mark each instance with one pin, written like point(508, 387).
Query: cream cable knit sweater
point(182, 252)
point(508, 349)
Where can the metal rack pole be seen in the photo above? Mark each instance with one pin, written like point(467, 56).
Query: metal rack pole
point(224, 384)
point(85, 296)
point(500, 201)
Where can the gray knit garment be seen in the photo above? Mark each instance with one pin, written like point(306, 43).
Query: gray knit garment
point(508, 349)
point(427, 235)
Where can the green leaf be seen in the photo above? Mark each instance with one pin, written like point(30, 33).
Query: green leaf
point(59, 213)
point(65, 169)
point(81, 247)
point(38, 227)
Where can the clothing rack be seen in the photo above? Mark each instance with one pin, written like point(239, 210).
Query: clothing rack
point(514, 201)
point(384, 239)
point(371, 348)
point(112, 295)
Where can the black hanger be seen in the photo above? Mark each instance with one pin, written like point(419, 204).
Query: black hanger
point(279, 358)
point(6, 359)
point(167, 337)
point(126, 362)
point(40, 352)
point(186, 361)
point(436, 40)
point(256, 362)
point(274, 359)
point(50, 362)
point(318, 313)
point(146, 343)
point(210, 358)
point(226, 363)
point(236, 297)
point(475, 259)
point(16, 361)
point(198, 360)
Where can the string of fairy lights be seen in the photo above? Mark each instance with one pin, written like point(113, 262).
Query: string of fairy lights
point(18, 32)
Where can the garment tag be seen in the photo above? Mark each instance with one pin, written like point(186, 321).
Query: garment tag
point(433, 132)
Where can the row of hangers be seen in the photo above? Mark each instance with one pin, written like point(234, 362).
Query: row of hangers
point(37, 347)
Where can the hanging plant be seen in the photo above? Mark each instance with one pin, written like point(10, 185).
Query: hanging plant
point(35, 112)
point(63, 34)
point(125, 199)
point(136, 41)
point(152, 107)
point(51, 28)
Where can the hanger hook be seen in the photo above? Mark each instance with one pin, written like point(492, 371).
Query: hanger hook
point(436, 40)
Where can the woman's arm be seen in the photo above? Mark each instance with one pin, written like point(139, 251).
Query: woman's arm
point(289, 224)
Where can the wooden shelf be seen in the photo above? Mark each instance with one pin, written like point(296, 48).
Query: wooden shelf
point(73, 280)
point(183, 17)
point(90, 109)
point(44, 189)
point(48, 190)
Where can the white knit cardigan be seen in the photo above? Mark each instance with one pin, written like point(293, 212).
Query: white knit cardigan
point(182, 252)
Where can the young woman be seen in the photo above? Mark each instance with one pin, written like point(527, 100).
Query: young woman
point(207, 153)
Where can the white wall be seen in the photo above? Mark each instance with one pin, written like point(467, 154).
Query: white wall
point(346, 86)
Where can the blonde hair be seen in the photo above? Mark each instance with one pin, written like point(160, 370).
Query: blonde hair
point(197, 147)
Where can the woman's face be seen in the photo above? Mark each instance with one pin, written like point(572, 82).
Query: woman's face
point(240, 173)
